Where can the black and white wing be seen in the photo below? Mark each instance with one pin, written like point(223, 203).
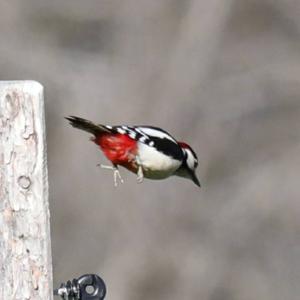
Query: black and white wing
point(154, 137)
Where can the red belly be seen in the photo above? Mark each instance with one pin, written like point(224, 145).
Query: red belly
point(120, 149)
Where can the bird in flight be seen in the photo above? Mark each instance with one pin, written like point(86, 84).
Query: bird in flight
point(148, 151)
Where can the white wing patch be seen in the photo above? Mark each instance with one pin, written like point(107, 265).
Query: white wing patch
point(145, 135)
point(132, 134)
point(120, 130)
point(137, 129)
point(154, 132)
point(143, 139)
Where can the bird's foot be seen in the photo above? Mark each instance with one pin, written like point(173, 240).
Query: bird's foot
point(116, 173)
point(117, 176)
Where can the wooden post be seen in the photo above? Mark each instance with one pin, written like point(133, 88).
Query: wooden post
point(25, 251)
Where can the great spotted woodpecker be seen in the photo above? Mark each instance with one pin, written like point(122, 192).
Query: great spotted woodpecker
point(148, 151)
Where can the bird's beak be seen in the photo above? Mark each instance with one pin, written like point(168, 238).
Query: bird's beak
point(195, 179)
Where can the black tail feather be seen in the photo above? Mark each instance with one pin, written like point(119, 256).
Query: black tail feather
point(87, 125)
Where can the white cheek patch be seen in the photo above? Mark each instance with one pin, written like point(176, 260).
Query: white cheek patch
point(190, 159)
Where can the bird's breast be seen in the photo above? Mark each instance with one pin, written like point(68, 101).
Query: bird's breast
point(155, 164)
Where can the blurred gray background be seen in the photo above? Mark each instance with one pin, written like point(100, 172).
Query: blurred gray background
point(223, 76)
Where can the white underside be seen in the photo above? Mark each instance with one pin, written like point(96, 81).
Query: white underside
point(155, 164)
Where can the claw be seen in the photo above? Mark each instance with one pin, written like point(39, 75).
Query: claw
point(116, 173)
point(106, 167)
point(116, 176)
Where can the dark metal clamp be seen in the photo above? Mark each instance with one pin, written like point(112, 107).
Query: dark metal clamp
point(86, 287)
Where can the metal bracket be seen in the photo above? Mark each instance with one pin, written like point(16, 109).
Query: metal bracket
point(86, 287)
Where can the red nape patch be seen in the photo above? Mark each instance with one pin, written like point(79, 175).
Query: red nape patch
point(118, 148)
point(184, 145)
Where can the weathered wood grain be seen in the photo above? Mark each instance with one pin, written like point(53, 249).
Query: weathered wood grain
point(25, 251)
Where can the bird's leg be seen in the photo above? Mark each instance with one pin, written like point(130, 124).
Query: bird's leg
point(117, 175)
point(116, 171)
point(140, 174)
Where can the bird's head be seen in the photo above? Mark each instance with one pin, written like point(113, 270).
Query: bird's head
point(189, 164)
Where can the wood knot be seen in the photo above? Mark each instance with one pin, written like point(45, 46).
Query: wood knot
point(24, 182)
